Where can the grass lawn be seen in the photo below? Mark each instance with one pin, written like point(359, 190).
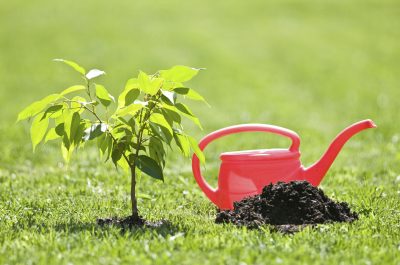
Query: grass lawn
point(306, 65)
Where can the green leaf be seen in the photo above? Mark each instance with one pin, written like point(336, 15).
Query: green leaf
point(131, 84)
point(183, 143)
point(188, 113)
point(190, 93)
point(37, 107)
point(94, 131)
point(51, 135)
point(75, 128)
point(181, 108)
point(66, 151)
point(102, 143)
point(184, 109)
point(156, 84)
point(127, 97)
point(129, 123)
point(72, 89)
point(66, 141)
point(131, 96)
point(103, 95)
point(79, 134)
point(150, 167)
point(129, 110)
point(169, 96)
point(116, 154)
point(76, 104)
point(67, 115)
point(50, 111)
point(144, 82)
point(159, 119)
point(109, 150)
point(132, 124)
point(38, 130)
point(72, 128)
point(60, 129)
point(135, 146)
point(195, 147)
point(170, 85)
point(156, 150)
point(171, 116)
point(94, 73)
point(179, 73)
point(73, 65)
point(149, 85)
point(124, 165)
point(161, 132)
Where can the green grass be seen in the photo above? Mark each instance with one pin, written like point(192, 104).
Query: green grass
point(312, 66)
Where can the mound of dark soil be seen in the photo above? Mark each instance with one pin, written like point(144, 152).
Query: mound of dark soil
point(129, 222)
point(288, 207)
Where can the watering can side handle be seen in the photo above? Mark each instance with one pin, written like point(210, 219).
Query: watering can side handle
point(210, 192)
point(254, 127)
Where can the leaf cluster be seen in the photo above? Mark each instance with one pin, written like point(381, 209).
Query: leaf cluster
point(134, 130)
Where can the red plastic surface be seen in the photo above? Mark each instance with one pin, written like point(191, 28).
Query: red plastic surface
point(260, 154)
point(245, 173)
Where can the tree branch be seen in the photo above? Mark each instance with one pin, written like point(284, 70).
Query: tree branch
point(108, 130)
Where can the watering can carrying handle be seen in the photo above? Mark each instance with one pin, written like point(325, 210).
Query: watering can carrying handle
point(207, 189)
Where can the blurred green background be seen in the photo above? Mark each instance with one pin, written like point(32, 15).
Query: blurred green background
point(311, 66)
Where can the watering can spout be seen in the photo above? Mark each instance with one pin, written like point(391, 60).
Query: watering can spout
point(317, 171)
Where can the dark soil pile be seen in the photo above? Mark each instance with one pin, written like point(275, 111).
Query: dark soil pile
point(288, 207)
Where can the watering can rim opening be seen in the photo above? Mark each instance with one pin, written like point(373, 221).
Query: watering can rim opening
point(260, 154)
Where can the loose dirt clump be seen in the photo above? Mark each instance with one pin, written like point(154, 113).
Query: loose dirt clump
point(288, 207)
point(129, 222)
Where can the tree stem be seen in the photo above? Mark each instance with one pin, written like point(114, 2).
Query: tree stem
point(135, 213)
point(143, 121)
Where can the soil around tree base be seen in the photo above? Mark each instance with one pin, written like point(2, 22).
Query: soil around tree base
point(287, 208)
point(130, 222)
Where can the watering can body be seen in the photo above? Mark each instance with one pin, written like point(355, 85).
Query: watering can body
point(246, 173)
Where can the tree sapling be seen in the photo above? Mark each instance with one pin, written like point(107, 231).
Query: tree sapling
point(134, 130)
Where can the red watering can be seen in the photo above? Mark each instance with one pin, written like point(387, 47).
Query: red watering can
point(245, 173)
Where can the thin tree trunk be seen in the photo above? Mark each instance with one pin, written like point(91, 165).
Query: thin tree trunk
point(135, 213)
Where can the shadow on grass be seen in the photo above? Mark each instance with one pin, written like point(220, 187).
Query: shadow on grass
point(165, 228)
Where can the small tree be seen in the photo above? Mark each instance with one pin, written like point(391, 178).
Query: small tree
point(134, 134)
